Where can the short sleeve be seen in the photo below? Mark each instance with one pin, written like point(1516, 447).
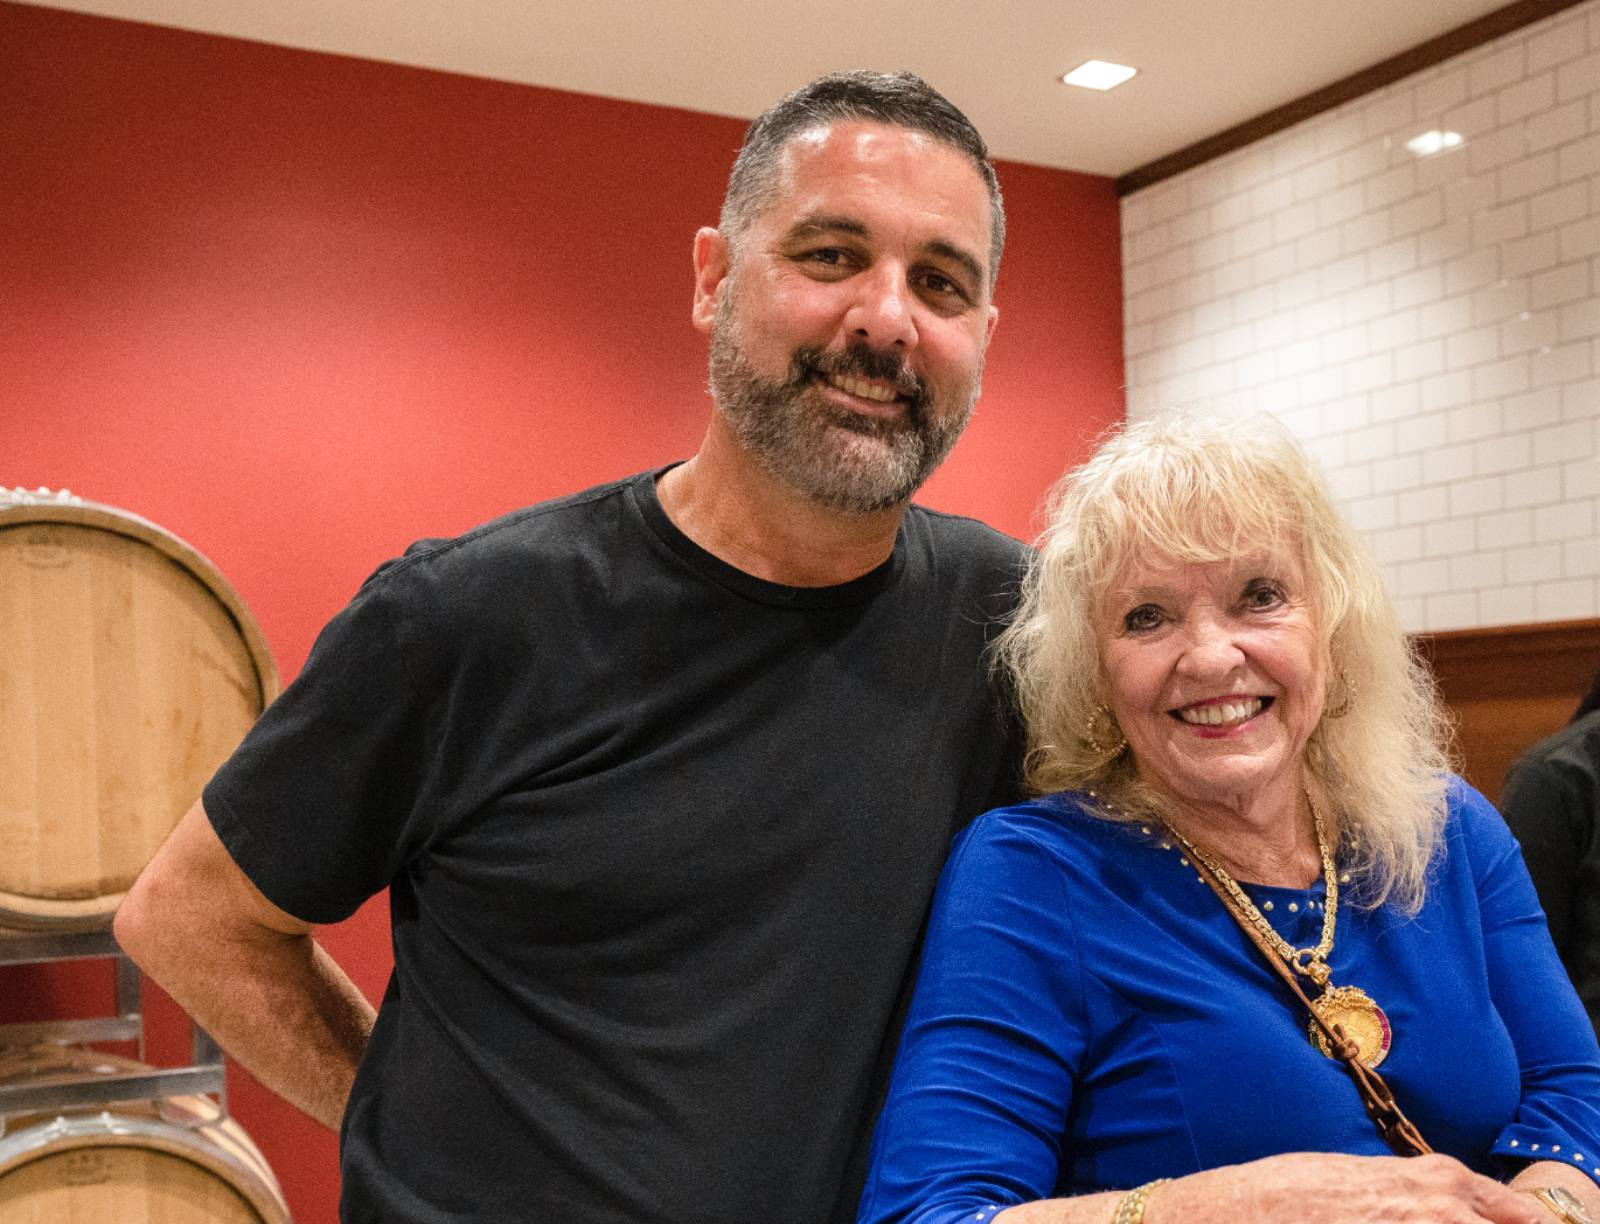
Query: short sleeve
point(335, 785)
point(1558, 1116)
point(992, 1044)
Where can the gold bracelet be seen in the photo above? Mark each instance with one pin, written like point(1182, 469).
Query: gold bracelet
point(1130, 1207)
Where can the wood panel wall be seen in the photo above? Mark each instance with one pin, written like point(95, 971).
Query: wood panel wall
point(1510, 686)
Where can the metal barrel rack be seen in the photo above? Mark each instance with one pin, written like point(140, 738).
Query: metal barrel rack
point(205, 1075)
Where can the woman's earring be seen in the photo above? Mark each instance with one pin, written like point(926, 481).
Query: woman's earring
point(1345, 698)
point(1114, 742)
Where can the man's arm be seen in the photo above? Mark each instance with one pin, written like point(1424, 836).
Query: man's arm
point(249, 973)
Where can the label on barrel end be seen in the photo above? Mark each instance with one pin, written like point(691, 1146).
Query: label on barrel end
point(85, 1167)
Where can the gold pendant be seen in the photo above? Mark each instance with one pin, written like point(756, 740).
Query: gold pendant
point(1361, 1020)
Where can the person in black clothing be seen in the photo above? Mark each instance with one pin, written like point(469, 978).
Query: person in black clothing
point(659, 775)
point(1551, 800)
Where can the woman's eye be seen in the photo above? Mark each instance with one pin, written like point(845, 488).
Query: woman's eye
point(1263, 593)
point(1144, 617)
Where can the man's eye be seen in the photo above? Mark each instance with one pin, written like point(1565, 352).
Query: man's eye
point(945, 289)
point(1144, 617)
point(828, 257)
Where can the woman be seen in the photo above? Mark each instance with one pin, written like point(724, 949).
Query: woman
point(1216, 686)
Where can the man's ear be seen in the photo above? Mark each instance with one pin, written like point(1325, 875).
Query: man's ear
point(988, 329)
point(710, 275)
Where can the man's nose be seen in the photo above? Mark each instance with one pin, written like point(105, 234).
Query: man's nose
point(882, 313)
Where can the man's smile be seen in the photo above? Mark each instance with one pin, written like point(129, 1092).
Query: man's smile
point(860, 387)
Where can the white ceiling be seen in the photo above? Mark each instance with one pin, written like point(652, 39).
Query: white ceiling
point(1205, 65)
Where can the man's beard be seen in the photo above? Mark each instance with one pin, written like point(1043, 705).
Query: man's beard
point(843, 459)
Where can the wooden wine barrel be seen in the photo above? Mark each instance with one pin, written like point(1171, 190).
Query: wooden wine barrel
point(129, 670)
point(179, 1163)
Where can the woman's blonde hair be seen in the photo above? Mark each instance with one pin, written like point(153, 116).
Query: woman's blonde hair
point(1185, 488)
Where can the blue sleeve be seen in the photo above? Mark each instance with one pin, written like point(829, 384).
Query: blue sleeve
point(995, 1037)
point(1558, 1117)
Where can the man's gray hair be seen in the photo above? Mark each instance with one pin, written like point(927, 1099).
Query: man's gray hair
point(899, 99)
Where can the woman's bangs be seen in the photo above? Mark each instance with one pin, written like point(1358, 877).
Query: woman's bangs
point(1196, 523)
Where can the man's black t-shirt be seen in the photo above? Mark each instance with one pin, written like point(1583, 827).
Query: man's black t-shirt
point(660, 839)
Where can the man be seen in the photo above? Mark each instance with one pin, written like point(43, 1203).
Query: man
point(1551, 800)
point(659, 775)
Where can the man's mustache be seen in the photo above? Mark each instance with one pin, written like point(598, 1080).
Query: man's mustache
point(863, 362)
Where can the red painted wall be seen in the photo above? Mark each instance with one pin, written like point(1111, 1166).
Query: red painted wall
point(301, 309)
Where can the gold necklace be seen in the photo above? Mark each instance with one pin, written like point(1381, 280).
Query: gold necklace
point(1349, 1007)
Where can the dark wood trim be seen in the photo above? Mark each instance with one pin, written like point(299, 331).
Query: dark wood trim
point(1467, 646)
point(1436, 50)
point(1510, 686)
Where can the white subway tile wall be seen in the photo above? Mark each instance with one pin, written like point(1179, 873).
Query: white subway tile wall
point(1429, 326)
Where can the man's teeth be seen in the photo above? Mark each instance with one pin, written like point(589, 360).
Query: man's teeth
point(865, 390)
point(1222, 713)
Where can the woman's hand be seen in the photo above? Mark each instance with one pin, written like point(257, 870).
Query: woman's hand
point(1312, 1188)
point(1316, 1188)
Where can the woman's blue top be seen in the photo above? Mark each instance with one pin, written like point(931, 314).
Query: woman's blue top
point(1088, 1017)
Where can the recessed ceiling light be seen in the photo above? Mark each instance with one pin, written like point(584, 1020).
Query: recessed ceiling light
point(1429, 143)
point(1098, 74)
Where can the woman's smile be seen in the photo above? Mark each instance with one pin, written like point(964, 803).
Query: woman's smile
point(1222, 712)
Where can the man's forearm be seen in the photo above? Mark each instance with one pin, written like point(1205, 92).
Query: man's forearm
point(297, 1023)
point(249, 973)
point(280, 1006)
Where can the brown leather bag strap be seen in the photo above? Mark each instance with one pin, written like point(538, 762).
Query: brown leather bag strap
point(1397, 1130)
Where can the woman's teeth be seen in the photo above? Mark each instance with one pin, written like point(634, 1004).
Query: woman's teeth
point(1222, 713)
